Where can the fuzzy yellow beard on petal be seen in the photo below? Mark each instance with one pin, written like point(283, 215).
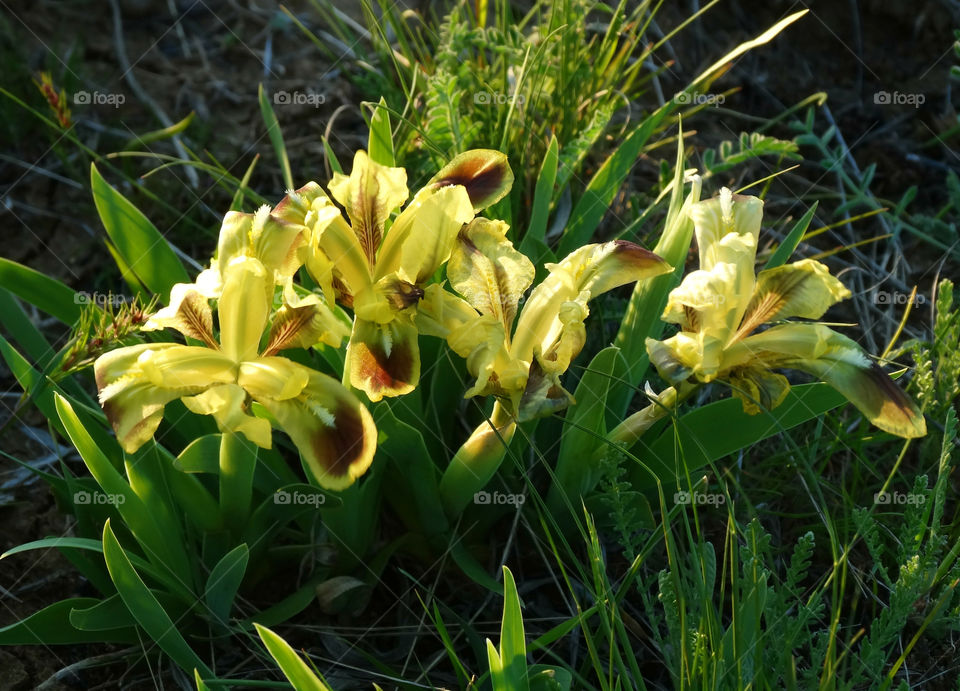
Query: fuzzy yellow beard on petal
point(384, 359)
point(133, 404)
point(333, 431)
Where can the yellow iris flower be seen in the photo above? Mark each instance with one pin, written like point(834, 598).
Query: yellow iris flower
point(522, 366)
point(332, 429)
point(720, 307)
point(379, 269)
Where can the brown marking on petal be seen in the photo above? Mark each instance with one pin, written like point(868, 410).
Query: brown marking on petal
point(401, 294)
point(896, 405)
point(340, 447)
point(382, 372)
point(289, 322)
point(483, 176)
point(638, 256)
point(197, 319)
point(764, 307)
point(342, 292)
point(369, 233)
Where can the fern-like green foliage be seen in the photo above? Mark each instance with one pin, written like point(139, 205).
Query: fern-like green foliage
point(748, 147)
point(936, 381)
point(924, 590)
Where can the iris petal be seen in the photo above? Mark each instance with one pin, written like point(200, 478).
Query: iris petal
point(384, 359)
point(332, 429)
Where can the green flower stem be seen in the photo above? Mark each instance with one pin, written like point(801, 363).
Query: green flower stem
point(628, 432)
point(623, 436)
point(238, 459)
point(476, 462)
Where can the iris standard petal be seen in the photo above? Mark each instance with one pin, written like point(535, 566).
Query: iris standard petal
point(303, 322)
point(244, 307)
point(485, 268)
point(728, 213)
point(369, 194)
point(188, 312)
point(421, 237)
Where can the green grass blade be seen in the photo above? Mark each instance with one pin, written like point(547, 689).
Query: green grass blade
point(132, 509)
point(380, 142)
point(224, 581)
point(404, 445)
point(498, 679)
point(144, 250)
point(145, 608)
point(200, 456)
point(237, 203)
point(789, 244)
point(161, 134)
point(51, 626)
point(513, 645)
point(642, 317)
point(276, 137)
point(721, 428)
point(46, 294)
point(81, 543)
point(293, 667)
point(238, 461)
point(23, 331)
point(534, 238)
point(581, 427)
point(111, 613)
point(603, 186)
